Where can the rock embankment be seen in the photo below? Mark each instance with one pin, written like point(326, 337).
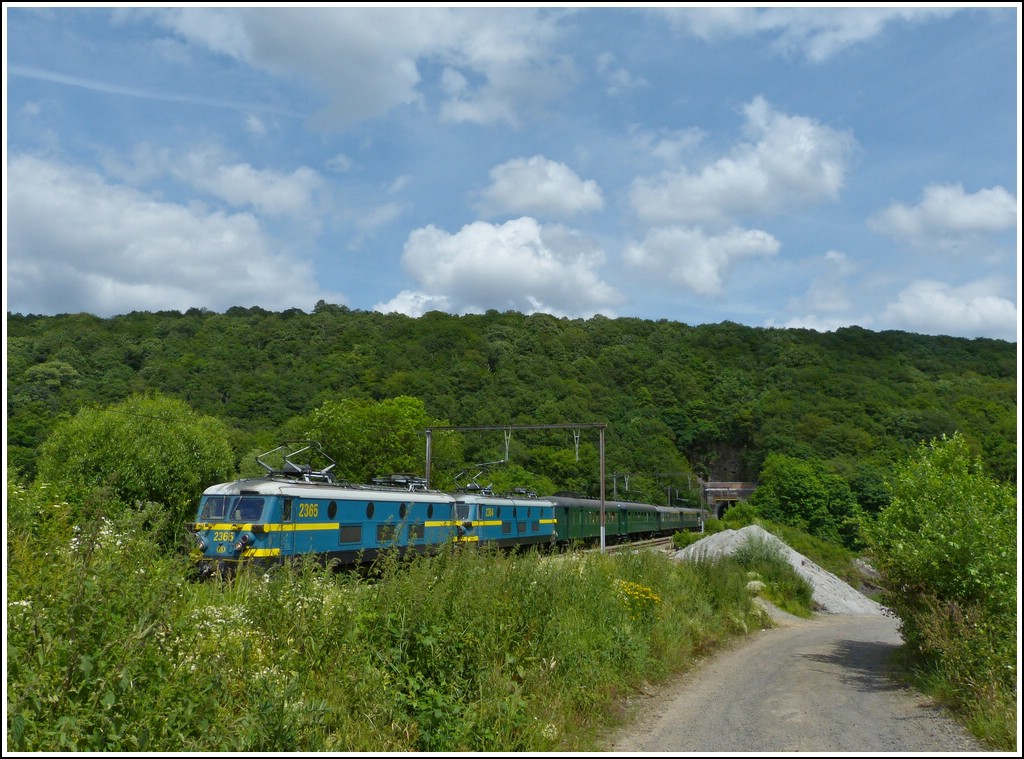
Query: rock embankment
point(831, 595)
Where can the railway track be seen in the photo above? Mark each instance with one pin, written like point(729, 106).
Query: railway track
point(661, 544)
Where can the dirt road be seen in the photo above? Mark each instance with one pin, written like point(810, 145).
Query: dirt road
point(817, 685)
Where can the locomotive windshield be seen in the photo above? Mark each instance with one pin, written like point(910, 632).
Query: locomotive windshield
point(235, 508)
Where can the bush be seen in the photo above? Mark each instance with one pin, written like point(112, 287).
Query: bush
point(682, 539)
point(803, 494)
point(946, 546)
point(711, 526)
point(741, 515)
point(144, 449)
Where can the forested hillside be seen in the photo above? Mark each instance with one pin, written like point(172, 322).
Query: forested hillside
point(712, 401)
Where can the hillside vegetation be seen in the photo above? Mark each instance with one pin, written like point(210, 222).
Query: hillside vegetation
point(898, 445)
point(680, 401)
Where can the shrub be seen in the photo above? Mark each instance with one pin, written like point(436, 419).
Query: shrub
point(682, 539)
point(741, 515)
point(144, 449)
point(946, 546)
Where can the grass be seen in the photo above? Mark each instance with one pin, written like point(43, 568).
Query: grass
point(111, 647)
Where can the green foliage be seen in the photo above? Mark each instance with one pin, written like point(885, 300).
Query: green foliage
point(683, 539)
point(714, 399)
point(823, 416)
point(91, 628)
point(369, 438)
point(741, 515)
point(804, 495)
point(711, 526)
point(946, 547)
point(110, 648)
point(505, 478)
point(764, 561)
point(144, 449)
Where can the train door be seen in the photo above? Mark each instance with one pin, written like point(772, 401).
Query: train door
point(465, 513)
point(287, 528)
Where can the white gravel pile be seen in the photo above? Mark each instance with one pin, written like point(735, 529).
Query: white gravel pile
point(831, 594)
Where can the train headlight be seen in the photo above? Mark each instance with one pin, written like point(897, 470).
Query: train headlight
point(242, 542)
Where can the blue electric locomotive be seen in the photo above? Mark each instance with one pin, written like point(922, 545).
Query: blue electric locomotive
point(297, 510)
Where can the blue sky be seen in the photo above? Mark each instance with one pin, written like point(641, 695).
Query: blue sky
point(775, 167)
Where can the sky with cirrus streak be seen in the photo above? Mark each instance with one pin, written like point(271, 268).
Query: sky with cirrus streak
point(775, 166)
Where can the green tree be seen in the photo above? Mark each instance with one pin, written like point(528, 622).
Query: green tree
point(369, 438)
point(803, 494)
point(143, 449)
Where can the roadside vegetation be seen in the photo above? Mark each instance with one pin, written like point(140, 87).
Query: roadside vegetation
point(947, 549)
point(112, 647)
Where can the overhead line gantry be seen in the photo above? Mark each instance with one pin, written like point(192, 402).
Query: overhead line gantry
point(507, 428)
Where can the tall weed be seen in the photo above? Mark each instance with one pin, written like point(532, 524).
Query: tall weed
point(112, 648)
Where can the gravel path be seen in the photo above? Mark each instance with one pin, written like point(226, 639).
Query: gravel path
point(818, 685)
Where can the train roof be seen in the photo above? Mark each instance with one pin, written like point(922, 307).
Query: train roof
point(272, 486)
point(589, 503)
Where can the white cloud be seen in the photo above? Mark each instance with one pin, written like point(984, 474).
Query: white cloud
point(241, 185)
point(375, 217)
point(212, 171)
point(667, 146)
point(947, 216)
point(341, 163)
point(539, 187)
point(818, 323)
point(519, 265)
point(818, 33)
point(828, 290)
point(79, 243)
point(692, 259)
point(792, 162)
point(30, 109)
point(827, 300)
point(414, 304)
point(496, 62)
point(399, 185)
point(618, 79)
point(976, 309)
point(254, 125)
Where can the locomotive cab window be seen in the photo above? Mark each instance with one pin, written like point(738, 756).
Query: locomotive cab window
point(215, 507)
point(248, 509)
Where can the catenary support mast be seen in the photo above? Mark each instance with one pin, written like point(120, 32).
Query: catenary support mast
point(507, 429)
